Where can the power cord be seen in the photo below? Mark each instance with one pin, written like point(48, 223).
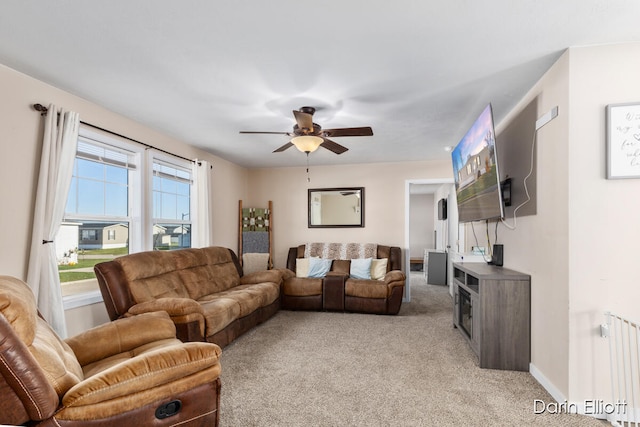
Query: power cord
point(488, 242)
point(526, 189)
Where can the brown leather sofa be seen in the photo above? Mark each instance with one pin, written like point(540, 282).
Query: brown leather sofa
point(130, 372)
point(203, 290)
point(337, 291)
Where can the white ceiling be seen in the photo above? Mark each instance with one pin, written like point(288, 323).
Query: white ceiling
point(417, 71)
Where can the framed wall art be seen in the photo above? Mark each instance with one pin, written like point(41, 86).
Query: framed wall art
point(623, 140)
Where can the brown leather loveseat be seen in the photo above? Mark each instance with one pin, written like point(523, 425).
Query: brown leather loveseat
point(130, 372)
point(203, 290)
point(338, 289)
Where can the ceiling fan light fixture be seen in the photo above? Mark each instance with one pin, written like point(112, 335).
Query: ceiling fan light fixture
point(307, 143)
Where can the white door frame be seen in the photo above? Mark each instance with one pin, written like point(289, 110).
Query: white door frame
point(407, 204)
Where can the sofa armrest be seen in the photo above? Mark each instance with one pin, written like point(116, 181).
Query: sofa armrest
point(274, 276)
point(173, 306)
point(395, 278)
point(121, 335)
point(146, 371)
point(186, 314)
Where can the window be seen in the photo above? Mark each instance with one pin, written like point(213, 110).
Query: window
point(87, 234)
point(98, 214)
point(122, 199)
point(171, 206)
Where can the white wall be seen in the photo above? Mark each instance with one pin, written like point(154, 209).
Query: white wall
point(422, 215)
point(603, 214)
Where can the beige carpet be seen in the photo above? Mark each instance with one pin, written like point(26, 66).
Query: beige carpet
point(346, 369)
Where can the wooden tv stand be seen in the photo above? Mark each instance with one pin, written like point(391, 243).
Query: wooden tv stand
point(496, 320)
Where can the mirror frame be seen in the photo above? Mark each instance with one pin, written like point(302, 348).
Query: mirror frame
point(337, 190)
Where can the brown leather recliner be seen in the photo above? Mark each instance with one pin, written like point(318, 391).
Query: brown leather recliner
point(130, 372)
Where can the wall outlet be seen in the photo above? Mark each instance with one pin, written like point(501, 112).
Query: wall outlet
point(478, 250)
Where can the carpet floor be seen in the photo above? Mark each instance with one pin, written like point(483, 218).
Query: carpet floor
point(347, 369)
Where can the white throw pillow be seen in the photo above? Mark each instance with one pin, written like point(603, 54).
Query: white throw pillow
point(379, 268)
point(360, 268)
point(302, 267)
point(253, 262)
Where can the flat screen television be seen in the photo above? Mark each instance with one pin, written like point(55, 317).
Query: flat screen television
point(475, 171)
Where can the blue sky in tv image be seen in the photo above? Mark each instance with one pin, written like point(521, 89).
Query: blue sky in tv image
point(472, 142)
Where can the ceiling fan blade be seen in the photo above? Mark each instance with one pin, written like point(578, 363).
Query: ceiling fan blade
point(269, 133)
point(284, 147)
point(333, 146)
point(362, 131)
point(304, 120)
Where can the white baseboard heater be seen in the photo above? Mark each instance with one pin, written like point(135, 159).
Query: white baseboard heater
point(624, 355)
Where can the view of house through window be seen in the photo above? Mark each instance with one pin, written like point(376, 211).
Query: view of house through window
point(171, 206)
point(104, 216)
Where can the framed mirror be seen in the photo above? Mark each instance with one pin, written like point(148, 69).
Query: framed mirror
point(336, 207)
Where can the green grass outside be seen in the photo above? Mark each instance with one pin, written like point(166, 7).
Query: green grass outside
point(111, 251)
point(82, 263)
point(72, 276)
point(68, 275)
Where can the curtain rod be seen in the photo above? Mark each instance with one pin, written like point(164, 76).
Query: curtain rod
point(44, 110)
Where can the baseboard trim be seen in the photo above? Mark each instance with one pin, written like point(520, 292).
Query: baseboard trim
point(558, 396)
point(546, 384)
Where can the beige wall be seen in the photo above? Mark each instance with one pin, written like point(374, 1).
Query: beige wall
point(384, 201)
point(580, 246)
point(20, 158)
point(603, 220)
point(539, 245)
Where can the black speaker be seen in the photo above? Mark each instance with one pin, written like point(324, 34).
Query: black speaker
point(442, 209)
point(498, 252)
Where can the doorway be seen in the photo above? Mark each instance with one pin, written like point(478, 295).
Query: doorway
point(441, 233)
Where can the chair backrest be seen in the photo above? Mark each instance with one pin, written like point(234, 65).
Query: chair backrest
point(36, 366)
point(183, 273)
point(392, 253)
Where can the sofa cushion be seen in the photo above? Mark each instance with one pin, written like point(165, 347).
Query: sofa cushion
point(302, 287)
point(379, 268)
point(268, 292)
point(318, 267)
point(366, 288)
point(360, 268)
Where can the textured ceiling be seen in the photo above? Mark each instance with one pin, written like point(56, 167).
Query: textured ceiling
point(417, 72)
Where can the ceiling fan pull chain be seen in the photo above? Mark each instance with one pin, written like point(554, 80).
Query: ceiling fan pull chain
point(308, 178)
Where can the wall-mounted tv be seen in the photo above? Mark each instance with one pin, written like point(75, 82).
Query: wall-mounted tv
point(475, 170)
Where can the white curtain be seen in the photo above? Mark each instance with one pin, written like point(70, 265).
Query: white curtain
point(201, 230)
point(56, 167)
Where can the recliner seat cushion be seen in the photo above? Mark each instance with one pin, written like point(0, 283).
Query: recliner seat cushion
point(302, 287)
point(366, 288)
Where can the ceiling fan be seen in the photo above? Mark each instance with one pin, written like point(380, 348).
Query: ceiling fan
point(307, 136)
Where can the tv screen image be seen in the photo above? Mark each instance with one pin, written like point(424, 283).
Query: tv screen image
point(475, 170)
